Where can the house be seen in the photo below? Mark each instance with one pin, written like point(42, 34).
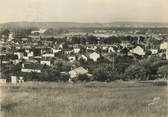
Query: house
point(94, 56)
point(48, 55)
point(68, 52)
point(105, 48)
point(10, 38)
point(30, 54)
point(31, 67)
point(167, 54)
point(17, 47)
point(46, 61)
point(16, 61)
point(56, 50)
point(138, 50)
point(21, 79)
point(8, 58)
point(61, 46)
point(91, 48)
point(164, 45)
point(5, 61)
point(72, 58)
point(41, 31)
point(83, 57)
point(2, 81)
point(76, 72)
point(125, 44)
point(111, 49)
point(24, 40)
point(31, 60)
point(17, 79)
point(14, 79)
point(154, 51)
point(19, 54)
point(76, 50)
point(25, 57)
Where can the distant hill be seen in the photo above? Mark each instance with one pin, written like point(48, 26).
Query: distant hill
point(50, 25)
point(81, 25)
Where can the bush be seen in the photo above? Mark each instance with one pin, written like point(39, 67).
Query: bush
point(64, 77)
point(160, 82)
point(44, 76)
point(105, 72)
point(83, 78)
point(135, 72)
point(163, 71)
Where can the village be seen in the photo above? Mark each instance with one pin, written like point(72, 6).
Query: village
point(83, 58)
point(101, 54)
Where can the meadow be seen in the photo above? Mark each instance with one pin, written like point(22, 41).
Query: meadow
point(92, 99)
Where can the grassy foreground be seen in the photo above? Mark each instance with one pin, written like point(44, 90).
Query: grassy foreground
point(94, 99)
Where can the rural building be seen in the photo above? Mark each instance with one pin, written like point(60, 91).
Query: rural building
point(164, 45)
point(167, 54)
point(10, 37)
point(16, 61)
point(94, 56)
point(91, 48)
point(41, 31)
point(76, 72)
point(17, 79)
point(83, 57)
point(48, 55)
point(45, 62)
point(72, 58)
point(138, 50)
point(19, 55)
point(67, 52)
point(31, 67)
point(125, 44)
point(14, 79)
point(2, 81)
point(76, 50)
point(104, 48)
point(56, 50)
point(21, 79)
point(111, 49)
point(154, 51)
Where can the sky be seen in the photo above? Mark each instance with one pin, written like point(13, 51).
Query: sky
point(84, 10)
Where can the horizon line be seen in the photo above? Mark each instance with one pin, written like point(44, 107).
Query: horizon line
point(150, 22)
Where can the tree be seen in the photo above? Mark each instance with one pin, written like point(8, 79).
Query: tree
point(135, 72)
point(5, 32)
point(143, 69)
point(92, 40)
point(22, 32)
point(75, 40)
point(123, 62)
point(53, 31)
point(105, 72)
point(163, 72)
point(111, 40)
point(83, 77)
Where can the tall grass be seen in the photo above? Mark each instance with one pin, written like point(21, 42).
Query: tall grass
point(81, 100)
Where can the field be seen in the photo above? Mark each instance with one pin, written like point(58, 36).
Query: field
point(94, 99)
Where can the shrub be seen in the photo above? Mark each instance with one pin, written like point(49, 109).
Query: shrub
point(64, 77)
point(135, 72)
point(160, 82)
point(105, 72)
point(83, 78)
point(163, 71)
